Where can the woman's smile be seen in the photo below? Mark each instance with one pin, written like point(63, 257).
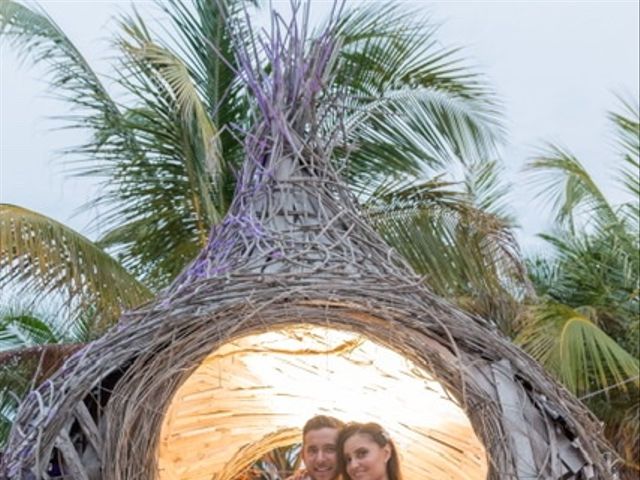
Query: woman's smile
point(365, 459)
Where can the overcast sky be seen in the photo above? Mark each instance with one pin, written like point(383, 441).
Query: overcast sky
point(555, 65)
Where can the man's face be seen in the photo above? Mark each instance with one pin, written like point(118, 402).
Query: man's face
point(319, 453)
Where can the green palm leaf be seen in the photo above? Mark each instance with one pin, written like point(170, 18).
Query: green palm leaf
point(486, 190)
point(587, 331)
point(48, 258)
point(416, 107)
point(627, 124)
point(24, 330)
point(563, 182)
point(160, 209)
point(417, 111)
point(568, 342)
point(465, 253)
point(183, 98)
point(179, 80)
point(34, 35)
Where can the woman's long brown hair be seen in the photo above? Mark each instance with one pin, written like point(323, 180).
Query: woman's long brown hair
point(379, 436)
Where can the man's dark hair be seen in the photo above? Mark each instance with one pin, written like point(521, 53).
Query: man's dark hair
point(321, 421)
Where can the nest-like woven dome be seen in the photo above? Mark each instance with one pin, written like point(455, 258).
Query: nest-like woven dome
point(293, 257)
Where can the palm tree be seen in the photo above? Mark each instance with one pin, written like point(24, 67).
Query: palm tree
point(167, 148)
point(585, 328)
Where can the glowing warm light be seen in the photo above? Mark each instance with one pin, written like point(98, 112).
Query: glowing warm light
point(275, 381)
point(341, 385)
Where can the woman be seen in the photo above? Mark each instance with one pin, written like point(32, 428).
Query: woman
point(367, 453)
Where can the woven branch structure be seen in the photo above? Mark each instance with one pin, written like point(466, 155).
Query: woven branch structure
point(294, 249)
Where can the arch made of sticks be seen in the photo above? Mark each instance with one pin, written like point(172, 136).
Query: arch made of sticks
point(294, 249)
point(465, 358)
point(143, 395)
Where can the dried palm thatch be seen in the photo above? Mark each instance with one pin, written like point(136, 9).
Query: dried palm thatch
point(293, 250)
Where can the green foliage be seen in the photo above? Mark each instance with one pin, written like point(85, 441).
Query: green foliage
point(459, 236)
point(585, 328)
point(415, 108)
point(46, 257)
point(569, 342)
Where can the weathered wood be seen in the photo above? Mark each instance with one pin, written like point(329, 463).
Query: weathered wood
point(570, 455)
point(89, 428)
point(72, 461)
point(511, 399)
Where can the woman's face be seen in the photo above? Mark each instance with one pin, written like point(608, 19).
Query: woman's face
point(365, 459)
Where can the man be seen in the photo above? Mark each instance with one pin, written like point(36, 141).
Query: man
point(319, 453)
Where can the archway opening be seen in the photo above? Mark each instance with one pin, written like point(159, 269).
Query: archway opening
point(255, 393)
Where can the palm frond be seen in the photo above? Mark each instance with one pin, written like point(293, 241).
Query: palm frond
point(466, 254)
point(49, 258)
point(188, 103)
point(21, 329)
point(417, 132)
point(201, 38)
point(596, 271)
point(415, 105)
point(170, 80)
point(486, 189)
point(160, 207)
point(387, 45)
point(568, 343)
point(543, 273)
point(35, 36)
point(563, 182)
point(627, 124)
